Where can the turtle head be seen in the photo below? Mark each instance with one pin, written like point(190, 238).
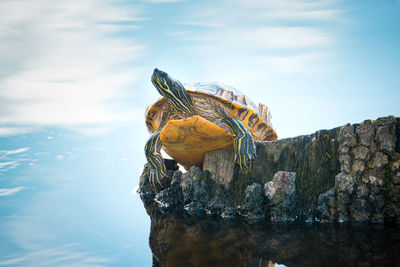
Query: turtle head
point(164, 83)
point(173, 91)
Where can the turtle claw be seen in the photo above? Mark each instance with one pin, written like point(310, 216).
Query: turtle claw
point(156, 171)
point(244, 157)
point(246, 163)
point(155, 176)
point(243, 144)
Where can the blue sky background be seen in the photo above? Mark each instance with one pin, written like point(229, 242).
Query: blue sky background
point(75, 82)
point(85, 65)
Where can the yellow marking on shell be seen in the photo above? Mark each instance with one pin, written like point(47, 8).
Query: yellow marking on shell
point(155, 109)
point(258, 135)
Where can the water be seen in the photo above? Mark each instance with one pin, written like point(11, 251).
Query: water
point(181, 240)
point(67, 200)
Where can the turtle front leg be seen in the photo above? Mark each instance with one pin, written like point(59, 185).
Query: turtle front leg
point(243, 143)
point(157, 169)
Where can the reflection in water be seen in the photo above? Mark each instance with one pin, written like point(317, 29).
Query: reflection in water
point(180, 240)
point(66, 201)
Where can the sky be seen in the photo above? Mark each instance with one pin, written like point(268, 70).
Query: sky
point(75, 83)
point(86, 65)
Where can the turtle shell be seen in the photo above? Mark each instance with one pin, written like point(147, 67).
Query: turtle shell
point(187, 140)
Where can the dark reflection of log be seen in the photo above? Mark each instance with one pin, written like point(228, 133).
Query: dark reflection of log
point(180, 240)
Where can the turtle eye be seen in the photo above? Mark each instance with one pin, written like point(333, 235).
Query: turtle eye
point(163, 74)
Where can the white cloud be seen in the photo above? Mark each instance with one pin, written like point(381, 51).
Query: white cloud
point(285, 37)
point(247, 55)
point(10, 159)
point(319, 15)
point(5, 164)
point(293, 9)
point(17, 151)
point(258, 12)
point(266, 38)
point(60, 63)
point(42, 153)
point(245, 42)
point(8, 131)
point(10, 191)
point(302, 63)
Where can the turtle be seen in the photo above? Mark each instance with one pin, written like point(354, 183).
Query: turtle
point(191, 120)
